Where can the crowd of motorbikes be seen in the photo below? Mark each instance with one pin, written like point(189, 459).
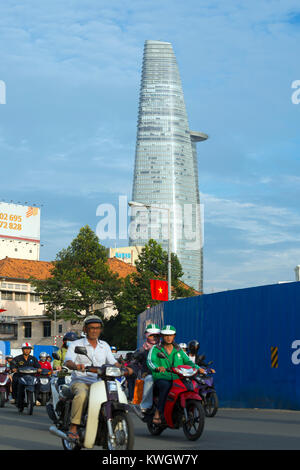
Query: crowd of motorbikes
point(106, 421)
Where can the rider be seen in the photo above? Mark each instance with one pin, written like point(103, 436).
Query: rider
point(58, 363)
point(140, 368)
point(175, 356)
point(22, 360)
point(193, 350)
point(101, 354)
point(43, 361)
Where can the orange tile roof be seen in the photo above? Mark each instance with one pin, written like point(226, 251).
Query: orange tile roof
point(23, 269)
point(15, 268)
point(120, 267)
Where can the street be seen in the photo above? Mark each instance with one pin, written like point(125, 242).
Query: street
point(230, 429)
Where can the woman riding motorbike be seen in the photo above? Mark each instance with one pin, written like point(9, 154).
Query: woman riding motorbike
point(140, 368)
point(174, 356)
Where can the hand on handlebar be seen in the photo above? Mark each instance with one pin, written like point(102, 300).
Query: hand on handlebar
point(161, 369)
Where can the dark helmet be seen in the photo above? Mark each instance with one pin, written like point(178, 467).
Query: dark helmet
point(70, 336)
point(193, 346)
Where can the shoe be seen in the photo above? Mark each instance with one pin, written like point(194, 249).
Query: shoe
point(37, 403)
point(138, 411)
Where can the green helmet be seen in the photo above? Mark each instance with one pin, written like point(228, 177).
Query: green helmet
point(168, 330)
point(152, 329)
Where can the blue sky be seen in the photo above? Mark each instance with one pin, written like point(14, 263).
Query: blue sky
point(68, 128)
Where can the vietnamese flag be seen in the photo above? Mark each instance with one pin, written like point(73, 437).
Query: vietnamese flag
point(159, 289)
point(2, 310)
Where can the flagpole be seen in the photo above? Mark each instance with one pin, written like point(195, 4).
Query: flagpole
point(169, 256)
point(149, 206)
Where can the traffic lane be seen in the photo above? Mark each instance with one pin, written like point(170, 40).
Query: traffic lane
point(23, 432)
point(230, 429)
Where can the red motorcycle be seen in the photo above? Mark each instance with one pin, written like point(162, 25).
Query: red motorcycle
point(183, 406)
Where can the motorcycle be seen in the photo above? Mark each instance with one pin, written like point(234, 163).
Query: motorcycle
point(105, 421)
point(28, 378)
point(45, 387)
point(183, 406)
point(207, 389)
point(56, 384)
point(4, 385)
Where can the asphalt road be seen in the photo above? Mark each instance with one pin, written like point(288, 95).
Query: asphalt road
point(230, 429)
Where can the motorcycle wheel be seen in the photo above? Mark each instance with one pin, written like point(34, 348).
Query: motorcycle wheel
point(211, 404)
point(193, 428)
point(123, 430)
point(43, 399)
point(2, 399)
point(29, 403)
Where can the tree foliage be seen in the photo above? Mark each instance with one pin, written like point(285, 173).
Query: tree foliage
point(81, 279)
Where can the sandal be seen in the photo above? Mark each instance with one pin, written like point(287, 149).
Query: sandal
point(156, 421)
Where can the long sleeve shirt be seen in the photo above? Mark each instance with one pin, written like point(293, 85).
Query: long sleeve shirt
point(176, 358)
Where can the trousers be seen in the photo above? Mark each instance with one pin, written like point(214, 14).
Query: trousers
point(163, 386)
point(147, 399)
point(81, 393)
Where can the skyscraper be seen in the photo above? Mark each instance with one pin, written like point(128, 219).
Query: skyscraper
point(166, 168)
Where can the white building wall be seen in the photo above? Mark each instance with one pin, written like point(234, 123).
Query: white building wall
point(13, 248)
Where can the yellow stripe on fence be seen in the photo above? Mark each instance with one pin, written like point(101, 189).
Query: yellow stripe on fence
point(274, 357)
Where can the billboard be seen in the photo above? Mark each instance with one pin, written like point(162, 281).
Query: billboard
point(21, 222)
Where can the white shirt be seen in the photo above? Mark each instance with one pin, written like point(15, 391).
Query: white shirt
point(98, 357)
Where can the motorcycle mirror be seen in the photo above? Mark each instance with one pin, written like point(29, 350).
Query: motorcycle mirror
point(55, 356)
point(80, 350)
point(202, 357)
point(209, 363)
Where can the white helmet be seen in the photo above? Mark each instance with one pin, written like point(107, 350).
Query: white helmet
point(152, 329)
point(43, 354)
point(26, 346)
point(182, 345)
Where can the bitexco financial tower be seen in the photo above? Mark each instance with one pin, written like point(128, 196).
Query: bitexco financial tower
point(166, 168)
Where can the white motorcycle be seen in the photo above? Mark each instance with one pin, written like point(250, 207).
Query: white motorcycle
point(106, 421)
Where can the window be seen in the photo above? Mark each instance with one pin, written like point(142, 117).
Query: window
point(5, 295)
point(47, 328)
point(20, 296)
point(34, 298)
point(27, 329)
point(60, 328)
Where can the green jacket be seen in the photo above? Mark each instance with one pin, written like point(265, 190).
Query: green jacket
point(176, 358)
point(60, 362)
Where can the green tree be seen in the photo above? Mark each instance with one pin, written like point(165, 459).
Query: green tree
point(81, 279)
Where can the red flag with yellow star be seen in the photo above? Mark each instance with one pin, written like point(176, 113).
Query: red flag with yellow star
point(159, 289)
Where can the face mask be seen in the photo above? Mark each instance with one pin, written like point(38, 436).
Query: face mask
point(68, 343)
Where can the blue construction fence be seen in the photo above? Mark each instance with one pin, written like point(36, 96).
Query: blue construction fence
point(252, 336)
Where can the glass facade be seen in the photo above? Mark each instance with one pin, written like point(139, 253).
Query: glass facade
point(166, 168)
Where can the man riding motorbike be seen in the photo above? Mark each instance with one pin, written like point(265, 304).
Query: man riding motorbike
point(22, 360)
point(175, 356)
point(100, 353)
point(58, 363)
point(140, 368)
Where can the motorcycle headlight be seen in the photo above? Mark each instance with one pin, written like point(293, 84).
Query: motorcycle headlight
point(44, 381)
